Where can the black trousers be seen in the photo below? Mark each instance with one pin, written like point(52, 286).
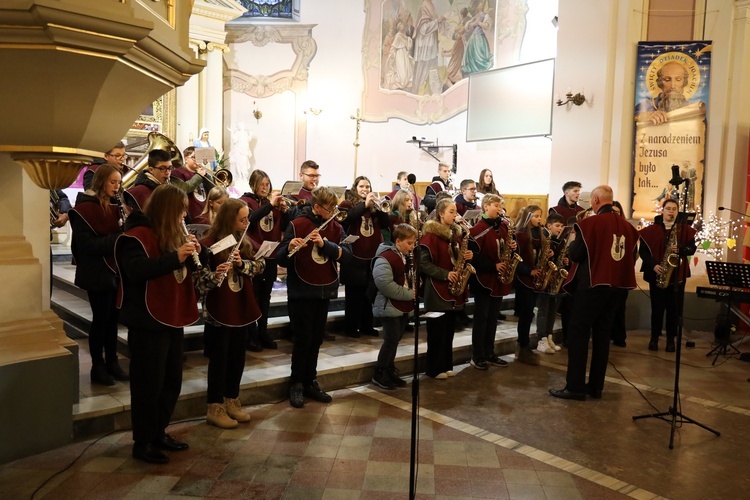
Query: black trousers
point(619, 334)
point(592, 317)
point(155, 380)
point(484, 326)
point(103, 331)
point(664, 300)
point(262, 287)
point(440, 333)
point(357, 309)
point(393, 331)
point(307, 319)
point(566, 311)
point(226, 348)
point(525, 302)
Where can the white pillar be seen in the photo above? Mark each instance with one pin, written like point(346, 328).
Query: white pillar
point(212, 115)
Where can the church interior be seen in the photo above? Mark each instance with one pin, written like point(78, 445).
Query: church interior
point(318, 83)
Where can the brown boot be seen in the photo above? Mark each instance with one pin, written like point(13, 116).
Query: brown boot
point(217, 416)
point(527, 356)
point(232, 407)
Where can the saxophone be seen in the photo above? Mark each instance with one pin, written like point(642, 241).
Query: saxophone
point(505, 254)
point(463, 268)
point(545, 266)
point(559, 277)
point(670, 260)
point(121, 208)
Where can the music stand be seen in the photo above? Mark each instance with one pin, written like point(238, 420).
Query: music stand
point(732, 275)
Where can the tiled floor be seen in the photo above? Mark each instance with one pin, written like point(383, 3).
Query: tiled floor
point(495, 434)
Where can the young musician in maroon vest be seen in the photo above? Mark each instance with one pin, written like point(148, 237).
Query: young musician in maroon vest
point(488, 236)
point(529, 238)
point(365, 220)
point(438, 248)
point(269, 217)
point(96, 224)
point(603, 253)
point(157, 300)
point(405, 182)
point(653, 247)
point(312, 281)
point(228, 311)
point(156, 174)
point(216, 196)
point(393, 276)
point(441, 182)
point(191, 179)
point(547, 303)
point(467, 200)
point(114, 156)
point(567, 205)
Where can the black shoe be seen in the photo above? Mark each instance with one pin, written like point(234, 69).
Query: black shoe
point(296, 396)
point(100, 376)
point(653, 345)
point(670, 346)
point(167, 442)
point(566, 394)
point(479, 364)
point(382, 380)
point(314, 391)
point(496, 360)
point(329, 337)
point(620, 343)
point(266, 342)
point(501, 317)
point(114, 369)
point(393, 374)
point(594, 393)
point(254, 346)
point(148, 453)
point(369, 331)
point(409, 328)
point(354, 334)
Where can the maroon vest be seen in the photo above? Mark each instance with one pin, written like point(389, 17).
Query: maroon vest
point(568, 213)
point(610, 242)
point(140, 194)
point(196, 198)
point(269, 227)
point(304, 194)
point(528, 249)
point(488, 240)
point(440, 255)
point(169, 301)
point(415, 199)
point(656, 236)
point(311, 266)
point(233, 303)
point(102, 223)
point(369, 232)
point(398, 268)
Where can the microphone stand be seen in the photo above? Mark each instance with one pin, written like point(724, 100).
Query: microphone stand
point(679, 292)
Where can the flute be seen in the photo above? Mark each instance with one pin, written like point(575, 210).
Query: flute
point(196, 257)
point(231, 257)
point(319, 228)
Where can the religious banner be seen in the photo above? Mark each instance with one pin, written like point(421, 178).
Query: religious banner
point(671, 103)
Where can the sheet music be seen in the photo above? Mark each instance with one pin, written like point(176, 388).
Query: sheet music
point(350, 239)
point(226, 242)
point(266, 249)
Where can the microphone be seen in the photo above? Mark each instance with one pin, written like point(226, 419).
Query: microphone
point(733, 211)
point(676, 180)
point(411, 178)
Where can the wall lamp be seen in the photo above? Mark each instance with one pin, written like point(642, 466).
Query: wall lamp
point(576, 99)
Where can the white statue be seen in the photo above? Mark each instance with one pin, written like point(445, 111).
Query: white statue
point(240, 155)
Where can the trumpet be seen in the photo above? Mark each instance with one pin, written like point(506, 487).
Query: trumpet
point(383, 204)
point(335, 215)
point(291, 202)
point(221, 178)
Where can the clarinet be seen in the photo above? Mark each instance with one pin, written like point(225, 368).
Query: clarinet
point(121, 207)
point(196, 257)
point(231, 258)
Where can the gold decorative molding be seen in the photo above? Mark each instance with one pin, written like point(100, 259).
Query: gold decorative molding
point(302, 43)
point(52, 172)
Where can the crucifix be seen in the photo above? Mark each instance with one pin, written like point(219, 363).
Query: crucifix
point(359, 119)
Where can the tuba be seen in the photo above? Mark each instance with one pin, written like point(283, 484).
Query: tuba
point(155, 141)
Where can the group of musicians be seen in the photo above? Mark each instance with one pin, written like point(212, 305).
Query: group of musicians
point(135, 253)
